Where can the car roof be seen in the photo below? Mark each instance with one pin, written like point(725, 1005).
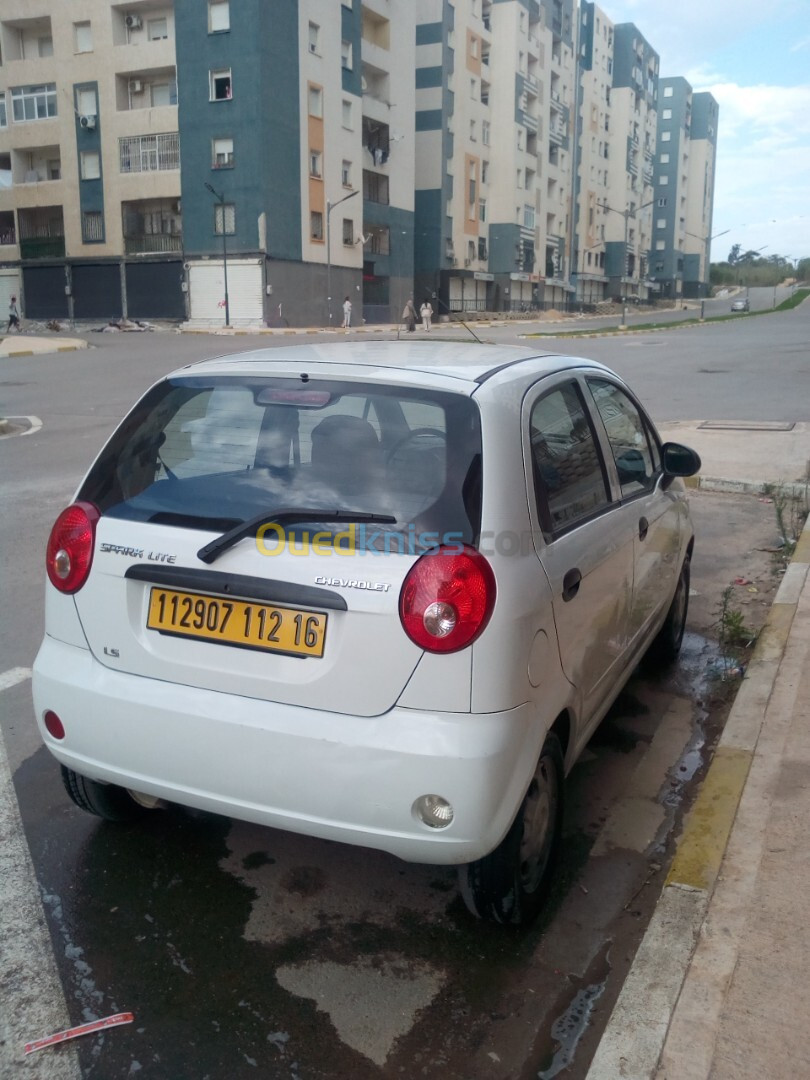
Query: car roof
point(438, 362)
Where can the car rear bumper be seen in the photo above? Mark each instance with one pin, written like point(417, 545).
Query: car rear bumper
point(345, 778)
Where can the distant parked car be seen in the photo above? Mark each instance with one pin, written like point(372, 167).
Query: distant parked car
point(741, 305)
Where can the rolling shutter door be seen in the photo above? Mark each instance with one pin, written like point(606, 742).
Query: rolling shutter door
point(245, 292)
point(9, 286)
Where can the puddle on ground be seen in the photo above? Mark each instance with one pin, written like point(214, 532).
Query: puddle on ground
point(570, 1026)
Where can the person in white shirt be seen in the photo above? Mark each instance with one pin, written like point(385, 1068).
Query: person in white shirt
point(347, 313)
point(426, 311)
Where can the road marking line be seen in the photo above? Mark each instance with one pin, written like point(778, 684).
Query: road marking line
point(30, 988)
point(34, 425)
point(13, 676)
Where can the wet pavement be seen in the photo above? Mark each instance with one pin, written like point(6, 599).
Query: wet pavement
point(245, 951)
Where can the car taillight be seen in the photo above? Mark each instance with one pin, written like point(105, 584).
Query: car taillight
point(447, 598)
point(70, 547)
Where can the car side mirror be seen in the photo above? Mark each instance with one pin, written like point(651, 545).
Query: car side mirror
point(678, 460)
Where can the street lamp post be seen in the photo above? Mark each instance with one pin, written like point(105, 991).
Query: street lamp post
point(626, 214)
point(221, 197)
point(330, 206)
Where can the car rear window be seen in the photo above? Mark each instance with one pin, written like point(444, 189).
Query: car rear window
point(212, 453)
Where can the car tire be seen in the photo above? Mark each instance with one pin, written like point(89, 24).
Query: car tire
point(509, 886)
point(106, 801)
point(667, 643)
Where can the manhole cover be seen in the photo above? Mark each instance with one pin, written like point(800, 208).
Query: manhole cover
point(747, 425)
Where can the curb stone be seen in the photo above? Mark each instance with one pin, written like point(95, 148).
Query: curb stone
point(633, 1040)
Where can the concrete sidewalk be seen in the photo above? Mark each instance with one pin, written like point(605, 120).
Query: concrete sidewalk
point(719, 986)
point(24, 344)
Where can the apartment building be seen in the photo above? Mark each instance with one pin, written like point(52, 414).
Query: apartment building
point(487, 154)
point(296, 179)
point(89, 159)
point(685, 157)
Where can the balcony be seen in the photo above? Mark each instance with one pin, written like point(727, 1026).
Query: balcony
point(42, 233)
point(152, 226)
point(8, 231)
point(35, 165)
point(149, 153)
point(27, 39)
point(532, 84)
point(147, 88)
point(530, 123)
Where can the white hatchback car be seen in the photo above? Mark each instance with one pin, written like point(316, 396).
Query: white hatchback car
point(377, 592)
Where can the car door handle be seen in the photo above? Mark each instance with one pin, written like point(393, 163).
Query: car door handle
point(571, 584)
point(643, 526)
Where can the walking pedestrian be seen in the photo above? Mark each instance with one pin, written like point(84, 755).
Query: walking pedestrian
point(426, 311)
point(347, 313)
point(409, 316)
point(13, 316)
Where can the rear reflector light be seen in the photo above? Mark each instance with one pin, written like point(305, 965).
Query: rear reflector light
point(53, 725)
point(447, 598)
point(70, 547)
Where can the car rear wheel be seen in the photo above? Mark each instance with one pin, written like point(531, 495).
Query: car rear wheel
point(667, 643)
point(104, 800)
point(510, 884)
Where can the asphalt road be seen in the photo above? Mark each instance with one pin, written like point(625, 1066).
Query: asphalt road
point(245, 951)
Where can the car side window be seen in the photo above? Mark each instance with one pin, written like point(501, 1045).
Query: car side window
point(634, 449)
point(569, 475)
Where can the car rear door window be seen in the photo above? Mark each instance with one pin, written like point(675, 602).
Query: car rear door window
point(569, 474)
point(634, 448)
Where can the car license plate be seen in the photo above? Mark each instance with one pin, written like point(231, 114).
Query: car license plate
point(237, 622)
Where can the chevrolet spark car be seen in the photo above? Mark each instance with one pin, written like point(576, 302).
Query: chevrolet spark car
point(380, 593)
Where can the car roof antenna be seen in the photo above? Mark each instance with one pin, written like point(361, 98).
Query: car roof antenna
point(458, 318)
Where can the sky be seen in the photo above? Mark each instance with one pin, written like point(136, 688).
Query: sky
point(754, 58)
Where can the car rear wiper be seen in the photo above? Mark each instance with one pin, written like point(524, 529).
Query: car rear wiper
point(284, 516)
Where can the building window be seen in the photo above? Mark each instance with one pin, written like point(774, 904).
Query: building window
point(316, 225)
point(33, 102)
point(484, 172)
point(219, 16)
point(473, 93)
point(667, 91)
point(482, 209)
point(82, 37)
point(220, 88)
point(163, 94)
point(346, 174)
point(222, 153)
point(664, 159)
point(157, 29)
point(45, 46)
point(660, 245)
point(666, 114)
point(315, 101)
point(346, 55)
point(663, 181)
point(314, 30)
point(3, 113)
point(662, 202)
point(224, 219)
point(92, 227)
point(347, 115)
point(485, 132)
point(472, 131)
point(90, 163)
point(348, 232)
point(666, 136)
point(315, 164)
point(661, 223)
point(375, 187)
point(86, 103)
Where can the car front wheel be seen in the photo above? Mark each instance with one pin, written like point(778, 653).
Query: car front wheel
point(104, 800)
point(510, 884)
